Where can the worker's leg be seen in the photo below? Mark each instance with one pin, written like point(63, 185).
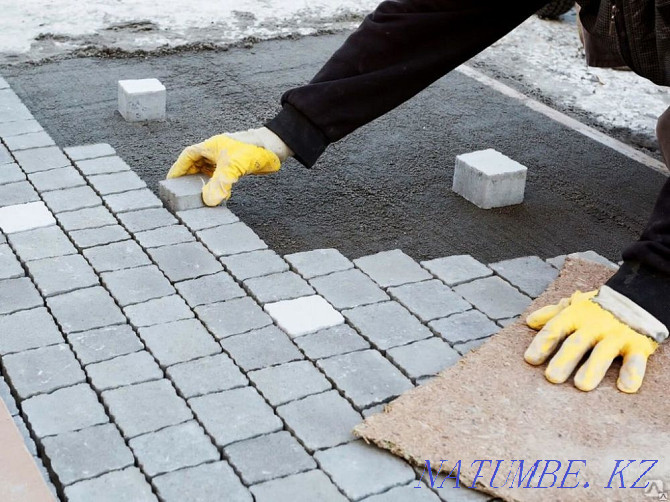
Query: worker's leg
point(401, 48)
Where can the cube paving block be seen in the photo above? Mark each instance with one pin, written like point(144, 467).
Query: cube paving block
point(116, 256)
point(128, 484)
point(207, 217)
point(106, 184)
point(82, 152)
point(41, 159)
point(179, 341)
point(5, 156)
point(7, 397)
point(233, 317)
point(361, 470)
point(454, 270)
point(61, 274)
point(464, 348)
point(276, 287)
point(304, 315)
point(146, 407)
point(304, 487)
point(424, 358)
point(250, 350)
point(15, 338)
point(503, 323)
point(494, 297)
point(387, 324)
point(29, 140)
point(10, 267)
point(22, 217)
point(290, 381)
point(21, 192)
point(64, 410)
point(147, 219)
point(11, 173)
point(489, 179)
point(11, 107)
point(279, 454)
point(137, 285)
point(141, 100)
point(91, 217)
point(254, 264)
point(594, 257)
point(348, 289)
point(18, 127)
point(207, 482)
point(172, 448)
point(130, 369)
point(230, 239)
point(104, 343)
point(206, 375)
point(464, 327)
point(158, 311)
point(23, 429)
point(429, 300)
point(166, 236)
point(42, 370)
point(98, 236)
point(209, 289)
point(392, 268)
point(368, 412)
point(247, 415)
point(87, 453)
point(102, 165)
point(530, 274)
point(18, 294)
point(71, 199)
point(132, 201)
point(56, 179)
point(558, 261)
point(100, 310)
point(185, 261)
point(183, 193)
point(331, 342)
point(366, 377)
point(321, 421)
point(311, 264)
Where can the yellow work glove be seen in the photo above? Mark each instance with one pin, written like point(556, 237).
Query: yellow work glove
point(599, 320)
point(225, 158)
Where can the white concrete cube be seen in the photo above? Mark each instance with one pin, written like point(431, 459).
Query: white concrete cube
point(142, 100)
point(489, 179)
point(304, 315)
point(185, 192)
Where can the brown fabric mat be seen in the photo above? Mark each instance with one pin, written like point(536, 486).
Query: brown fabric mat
point(492, 405)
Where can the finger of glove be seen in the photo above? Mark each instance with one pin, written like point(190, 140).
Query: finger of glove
point(632, 372)
point(546, 341)
point(567, 358)
point(217, 189)
point(187, 162)
point(592, 372)
point(539, 318)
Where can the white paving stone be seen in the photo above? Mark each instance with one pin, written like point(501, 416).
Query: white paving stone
point(304, 315)
point(141, 100)
point(23, 217)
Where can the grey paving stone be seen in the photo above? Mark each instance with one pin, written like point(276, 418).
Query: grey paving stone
point(22, 217)
point(387, 324)
point(331, 342)
point(209, 289)
point(348, 289)
point(247, 415)
point(206, 375)
point(116, 256)
point(454, 270)
point(185, 261)
point(64, 410)
point(374, 410)
point(137, 285)
point(594, 257)
point(42, 370)
point(450, 493)
point(183, 193)
point(56, 179)
point(290, 381)
point(61, 274)
point(11, 173)
point(172, 448)
point(3, 83)
point(84, 454)
point(5, 156)
point(147, 219)
point(146, 407)
point(132, 368)
point(100, 310)
point(179, 341)
point(104, 343)
point(14, 337)
point(392, 268)
point(464, 348)
point(92, 151)
point(204, 483)
point(424, 358)
point(132, 201)
point(361, 470)
point(464, 327)
point(207, 217)
point(158, 311)
point(7, 397)
point(25, 433)
point(18, 294)
point(494, 297)
point(71, 199)
point(558, 261)
point(311, 264)
point(250, 350)
point(304, 487)
point(29, 140)
point(165, 236)
point(46, 476)
point(507, 322)
point(124, 181)
point(91, 217)
point(102, 165)
point(233, 317)
point(429, 300)
point(321, 421)
point(254, 264)
point(18, 127)
point(276, 287)
point(17, 193)
point(530, 274)
point(231, 239)
point(128, 484)
point(41, 159)
point(99, 236)
point(10, 267)
point(11, 107)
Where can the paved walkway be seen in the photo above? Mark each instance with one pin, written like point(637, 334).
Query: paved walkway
point(152, 355)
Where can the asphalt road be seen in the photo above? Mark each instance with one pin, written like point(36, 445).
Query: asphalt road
point(386, 186)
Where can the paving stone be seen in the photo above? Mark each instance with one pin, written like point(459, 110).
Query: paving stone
point(594, 257)
point(288, 382)
point(348, 289)
point(320, 421)
point(141, 100)
point(450, 493)
point(558, 261)
point(3, 84)
point(22, 217)
point(25, 433)
point(18, 127)
point(507, 322)
point(56, 179)
point(10, 267)
point(392, 268)
point(304, 315)
point(311, 264)
point(146, 407)
point(247, 415)
point(404, 493)
point(17, 193)
point(29, 140)
point(133, 368)
point(81, 152)
point(454, 270)
point(183, 193)
point(331, 342)
point(132, 201)
point(11, 107)
point(304, 487)
point(165, 236)
point(100, 310)
point(464, 327)
point(18, 294)
point(172, 448)
point(206, 375)
point(116, 256)
point(233, 317)
point(104, 343)
point(209, 289)
point(207, 217)
point(494, 297)
point(185, 261)
point(71, 199)
point(61, 274)
point(158, 311)
point(42, 370)
point(254, 264)
point(276, 287)
point(361, 470)
point(41, 159)
point(179, 341)
point(99, 236)
point(424, 358)
point(14, 337)
point(464, 348)
point(46, 476)
point(530, 274)
point(231, 239)
point(124, 181)
point(64, 410)
point(11, 173)
point(102, 165)
point(147, 219)
point(429, 300)
point(5, 156)
point(91, 217)
point(87, 453)
point(7, 397)
point(250, 350)
point(128, 484)
point(137, 285)
point(374, 410)
point(204, 483)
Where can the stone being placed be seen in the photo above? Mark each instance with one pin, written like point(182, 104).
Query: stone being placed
point(183, 193)
point(489, 179)
point(141, 100)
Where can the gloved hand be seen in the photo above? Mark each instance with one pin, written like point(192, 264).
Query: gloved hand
point(225, 158)
point(600, 320)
